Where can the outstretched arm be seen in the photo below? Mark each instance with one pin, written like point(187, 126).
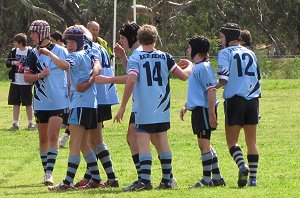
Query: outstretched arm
point(81, 87)
point(127, 93)
point(59, 62)
point(101, 79)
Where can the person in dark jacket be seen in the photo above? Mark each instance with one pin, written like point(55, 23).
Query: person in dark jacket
point(20, 92)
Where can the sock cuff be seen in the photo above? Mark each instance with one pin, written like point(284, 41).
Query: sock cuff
point(53, 150)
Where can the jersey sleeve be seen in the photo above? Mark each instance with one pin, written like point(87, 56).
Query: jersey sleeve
point(171, 62)
point(133, 66)
point(30, 63)
point(207, 77)
point(223, 65)
point(73, 60)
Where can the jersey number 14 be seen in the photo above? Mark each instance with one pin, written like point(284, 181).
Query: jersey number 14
point(154, 75)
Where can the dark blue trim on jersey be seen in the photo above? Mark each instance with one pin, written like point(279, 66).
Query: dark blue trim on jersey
point(165, 96)
point(256, 87)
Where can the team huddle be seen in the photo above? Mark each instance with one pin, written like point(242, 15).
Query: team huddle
point(78, 79)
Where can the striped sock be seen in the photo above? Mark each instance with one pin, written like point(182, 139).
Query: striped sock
point(136, 162)
point(87, 176)
point(146, 162)
point(102, 153)
point(215, 166)
point(253, 165)
point(43, 156)
point(92, 165)
point(51, 158)
point(166, 166)
point(237, 155)
point(207, 166)
point(73, 163)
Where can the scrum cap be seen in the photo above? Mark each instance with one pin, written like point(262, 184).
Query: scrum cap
point(41, 27)
point(129, 30)
point(232, 31)
point(199, 44)
point(75, 33)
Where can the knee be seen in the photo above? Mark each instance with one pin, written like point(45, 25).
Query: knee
point(53, 136)
point(131, 137)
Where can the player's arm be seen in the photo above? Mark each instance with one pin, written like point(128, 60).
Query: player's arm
point(212, 108)
point(59, 62)
point(101, 79)
point(31, 76)
point(83, 86)
point(182, 74)
point(127, 93)
point(120, 53)
point(182, 112)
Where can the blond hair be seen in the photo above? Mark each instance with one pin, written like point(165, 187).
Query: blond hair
point(147, 35)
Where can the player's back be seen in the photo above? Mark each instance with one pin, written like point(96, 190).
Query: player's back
point(152, 95)
point(239, 66)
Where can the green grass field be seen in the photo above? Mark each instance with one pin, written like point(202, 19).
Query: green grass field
point(278, 142)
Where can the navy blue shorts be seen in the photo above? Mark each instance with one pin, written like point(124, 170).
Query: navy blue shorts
point(104, 113)
point(200, 122)
point(239, 111)
point(132, 118)
point(87, 117)
point(153, 128)
point(20, 94)
point(42, 116)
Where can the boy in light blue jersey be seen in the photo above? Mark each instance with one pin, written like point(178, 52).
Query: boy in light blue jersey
point(50, 98)
point(106, 97)
point(83, 66)
point(148, 70)
point(239, 73)
point(202, 101)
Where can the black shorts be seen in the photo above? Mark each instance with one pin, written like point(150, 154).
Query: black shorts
point(239, 111)
point(20, 94)
point(153, 128)
point(66, 117)
point(42, 116)
point(132, 118)
point(200, 122)
point(84, 116)
point(104, 113)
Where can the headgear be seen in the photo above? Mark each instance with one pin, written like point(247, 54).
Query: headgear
point(129, 30)
point(41, 27)
point(232, 31)
point(75, 33)
point(199, 44)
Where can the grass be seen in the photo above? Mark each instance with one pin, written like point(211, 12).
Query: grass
point(278, 141)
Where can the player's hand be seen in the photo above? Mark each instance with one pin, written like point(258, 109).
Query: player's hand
point(119, 51)
point(119, 115)
point(102, 79)
point(83, 86)
point(212, 120)
point(184, 63)
point(182, 112)
point(44, 51)
point(45, 72)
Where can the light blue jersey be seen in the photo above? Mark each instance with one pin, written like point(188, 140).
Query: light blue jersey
point(152, 96)
point(239, 67)
point(106, 93)
point(51, 92)
point(200, 81)
point(134, 108)
point(81, 68)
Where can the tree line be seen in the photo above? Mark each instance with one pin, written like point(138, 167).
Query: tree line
point(274, 24)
